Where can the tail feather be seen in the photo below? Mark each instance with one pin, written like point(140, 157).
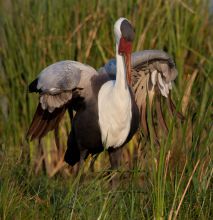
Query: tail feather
point(44, 121)
point(41, 128)
point(35, 122)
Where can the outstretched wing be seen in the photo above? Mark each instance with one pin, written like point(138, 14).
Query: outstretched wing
point(58, 85)
point(153, 72)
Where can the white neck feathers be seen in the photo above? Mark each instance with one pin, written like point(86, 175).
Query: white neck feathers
point(121, 82)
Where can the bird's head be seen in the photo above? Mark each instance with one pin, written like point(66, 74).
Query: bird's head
point(124, 35)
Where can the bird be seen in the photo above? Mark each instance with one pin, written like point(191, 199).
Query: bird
point(110, 104)
point(106, 113)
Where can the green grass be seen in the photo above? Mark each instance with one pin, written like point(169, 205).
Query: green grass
point(173, 182)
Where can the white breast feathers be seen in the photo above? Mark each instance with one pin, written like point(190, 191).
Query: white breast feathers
point(114, 109)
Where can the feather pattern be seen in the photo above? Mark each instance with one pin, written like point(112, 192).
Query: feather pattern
point(153, 73)
point(44, 121)
point(60, 76)
point(57, 86)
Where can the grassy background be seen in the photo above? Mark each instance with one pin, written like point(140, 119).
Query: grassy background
point(173, 182)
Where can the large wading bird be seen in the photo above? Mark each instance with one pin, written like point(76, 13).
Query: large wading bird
point(109, 103)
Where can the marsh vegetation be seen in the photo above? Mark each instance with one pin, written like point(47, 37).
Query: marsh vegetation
point(170, 182)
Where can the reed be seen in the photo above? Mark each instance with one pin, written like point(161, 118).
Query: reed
point(173, 182)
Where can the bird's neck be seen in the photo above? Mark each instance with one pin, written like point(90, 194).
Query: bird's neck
point(121, 82)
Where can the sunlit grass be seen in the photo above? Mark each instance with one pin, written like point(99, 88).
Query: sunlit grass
point(173, 182)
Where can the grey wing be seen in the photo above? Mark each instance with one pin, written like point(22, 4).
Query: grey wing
point(153, 74)
point(158, 66)
point(58, 85)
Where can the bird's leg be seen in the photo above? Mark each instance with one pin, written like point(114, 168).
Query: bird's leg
point(115, 161)
point(83, 156)
point(92, 164)
point(115, 157)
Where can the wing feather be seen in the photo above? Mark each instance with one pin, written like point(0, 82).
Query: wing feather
point(44, 121)
point(160, 72)
point(58, 85)
point(153, 72)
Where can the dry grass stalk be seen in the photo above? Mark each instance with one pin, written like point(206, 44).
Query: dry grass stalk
point(184, 193)
point(178, 186)
point(187, 94)
point(148, 26)
point(92, 35)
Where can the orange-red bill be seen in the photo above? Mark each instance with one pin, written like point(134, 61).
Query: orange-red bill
point(127, 57)
point(125, 48)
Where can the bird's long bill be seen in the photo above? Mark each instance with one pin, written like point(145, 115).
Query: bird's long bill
point(127, 57)
point(125, 48)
